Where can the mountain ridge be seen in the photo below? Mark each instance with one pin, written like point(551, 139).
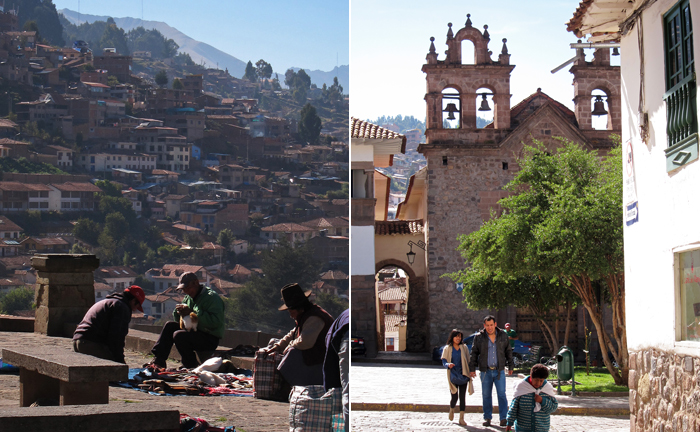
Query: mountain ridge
point(201, 52)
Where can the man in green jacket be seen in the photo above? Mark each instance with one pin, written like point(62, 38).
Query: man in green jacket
point(209, 310)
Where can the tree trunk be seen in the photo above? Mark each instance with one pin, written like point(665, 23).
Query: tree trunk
point(568, 323)
point(584, 288)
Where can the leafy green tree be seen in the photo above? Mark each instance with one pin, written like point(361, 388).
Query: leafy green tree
point(161, 78)
point(263, 69)
point(44, 14)
point(194, 240)
point(177, 84)
point(109, 204)
point(255, 306)
point(297, 80)
point(114, 37)
point(109, 188)
point(563, 222)
point(309, 124)
point(333, 304)
point(250, 74)
point(225, 238)
point(184, 59)
point(16, 300)
point(32, 222)
point(112, 81)
point(86, 230)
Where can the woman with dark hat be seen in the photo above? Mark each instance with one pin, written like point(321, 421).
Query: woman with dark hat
point(304, 347)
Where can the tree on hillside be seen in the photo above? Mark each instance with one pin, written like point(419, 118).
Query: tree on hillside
point(110, 204)
point(44, 14)
point(114, 37)
point(184, 59)
point(309, 124)
point(177, 84)
point(563, 223)
point(161, 78)
point(250, 74)
point(297, 80)
point(255, 306)
point(263, 69)
point(86, 230)
point(109, 188)
point(16, 300)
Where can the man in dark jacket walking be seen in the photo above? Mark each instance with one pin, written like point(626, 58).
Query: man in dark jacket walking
point(103, 330)
point(491, 353)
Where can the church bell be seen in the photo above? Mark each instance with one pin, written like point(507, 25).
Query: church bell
point(599, 107)
point(484, 104)
point(451, 109)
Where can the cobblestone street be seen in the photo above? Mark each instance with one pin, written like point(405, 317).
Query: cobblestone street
point(390, 421)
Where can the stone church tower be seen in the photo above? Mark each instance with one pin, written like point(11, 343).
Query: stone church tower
point(467, 167)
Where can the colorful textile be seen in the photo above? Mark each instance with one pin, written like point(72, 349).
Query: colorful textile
point(194, 424)
point(312, 409)
point(267, 380)
point(185, 383)
point(522, 412)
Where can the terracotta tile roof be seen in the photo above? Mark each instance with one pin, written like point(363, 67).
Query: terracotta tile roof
point(186, 227)
point(392, 294)
point(76, 187)
point(574, 24)
point(240, 270)
point(334, 275)
point(163, 172)
point(391, 321)
point(523, 104)
point(175, 197)
point(212, 246)
point(48, 241)
point(101, 286)
point(16, 262)
point(23, 187)
point(398, 227)
point(364, 129)
point(115, 272)
point(13, 142)
point(168, 294)
point(8, 225)
point(287, 227)
point(327, 222)
point(5, 123)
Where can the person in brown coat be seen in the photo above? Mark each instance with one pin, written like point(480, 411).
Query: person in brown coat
point(304, 347)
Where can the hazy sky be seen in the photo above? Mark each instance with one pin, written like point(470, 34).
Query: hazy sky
point(312, 34)
point(391, 38)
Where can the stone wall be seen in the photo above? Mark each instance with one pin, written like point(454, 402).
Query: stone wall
point(363, 311)
point(664, 392)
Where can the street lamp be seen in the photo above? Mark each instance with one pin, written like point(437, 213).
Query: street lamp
point(410, 255)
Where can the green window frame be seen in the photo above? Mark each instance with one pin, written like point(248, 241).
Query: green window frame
point(681, 88)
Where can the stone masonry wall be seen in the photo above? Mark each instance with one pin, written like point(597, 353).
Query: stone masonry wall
point(461, 195)
point(363, 311)
point(664, 392)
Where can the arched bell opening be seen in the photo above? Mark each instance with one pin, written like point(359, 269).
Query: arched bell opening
point(485, 107)
point(451, 109)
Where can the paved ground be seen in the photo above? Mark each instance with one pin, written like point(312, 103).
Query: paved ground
point(400, 397)
point(245, 413)
point(403, 421)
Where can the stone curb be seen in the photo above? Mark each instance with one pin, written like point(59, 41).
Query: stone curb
point(574, 411)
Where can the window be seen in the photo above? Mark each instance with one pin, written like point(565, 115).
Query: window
point(689, 296)
point(680, 96)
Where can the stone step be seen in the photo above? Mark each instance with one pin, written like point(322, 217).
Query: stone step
point(93, 418)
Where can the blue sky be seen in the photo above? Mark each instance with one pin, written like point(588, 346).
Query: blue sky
point(390, 39)
point(311, 34)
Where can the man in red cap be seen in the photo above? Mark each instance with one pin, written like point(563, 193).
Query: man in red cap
point(103, 330)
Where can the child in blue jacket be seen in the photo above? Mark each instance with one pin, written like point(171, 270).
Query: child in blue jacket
point(533, 402)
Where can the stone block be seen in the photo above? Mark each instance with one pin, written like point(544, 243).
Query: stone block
point(84, 393)
point(92, 418)
point(65, 263)
point(66, 365)
point(45, 278)
point(34, 386)
point(65, 296)
point(51, 321)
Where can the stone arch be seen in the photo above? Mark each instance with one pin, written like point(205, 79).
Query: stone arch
point(396, 263)
point(451, 89)
point(417, 311)
point(481, 45)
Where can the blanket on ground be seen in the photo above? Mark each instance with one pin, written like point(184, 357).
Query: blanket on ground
point(183, 382)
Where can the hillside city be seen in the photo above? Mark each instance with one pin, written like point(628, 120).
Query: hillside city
point(160, 166)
